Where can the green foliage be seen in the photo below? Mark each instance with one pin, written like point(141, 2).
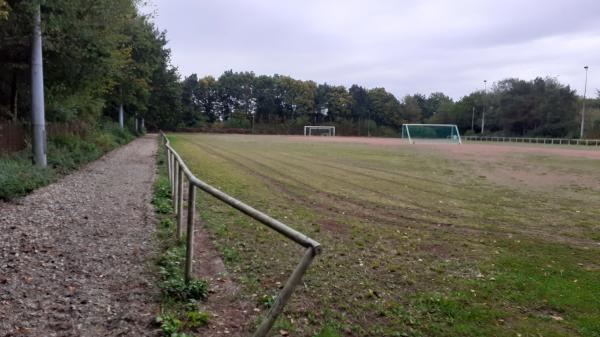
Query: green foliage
point(176, 288)
point(162, 205)
point(162, 196)
point(267, 300)
point(66, 152)
point(238, 123)
point(328, 331)
point(169, 324)
point(180, 299)
point(196, 319)
point(19, 177)
point(4, 9)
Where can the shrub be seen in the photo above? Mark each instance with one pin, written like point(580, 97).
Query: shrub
point(66, 152)
point(19, 177)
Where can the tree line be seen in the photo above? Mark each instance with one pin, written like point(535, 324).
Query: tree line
point(511, 107)
point(98, 54)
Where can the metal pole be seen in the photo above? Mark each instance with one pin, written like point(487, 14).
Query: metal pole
point(484, 106)
point(583, 109)
point(179, 202)
point(37, 92)
point(285, 294)
point(189, 252)
point(473, 121)
point(121, 116)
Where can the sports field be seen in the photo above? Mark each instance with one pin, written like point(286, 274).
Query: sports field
point(419, 240)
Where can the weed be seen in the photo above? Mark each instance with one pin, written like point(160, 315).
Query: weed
point(180, 299)
point(169, 324)
point(196, 319)
point(328, 331)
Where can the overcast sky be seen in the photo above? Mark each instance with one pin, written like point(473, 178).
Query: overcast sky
point(417, 46)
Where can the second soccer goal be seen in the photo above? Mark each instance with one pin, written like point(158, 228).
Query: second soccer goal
point(319, 130)
point(431, 133)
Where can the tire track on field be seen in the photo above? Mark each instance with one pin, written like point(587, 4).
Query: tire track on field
point(369, 211)
point(360, 208)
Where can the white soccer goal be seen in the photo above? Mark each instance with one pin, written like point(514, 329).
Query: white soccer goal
point(319, 130)
point(431, 133)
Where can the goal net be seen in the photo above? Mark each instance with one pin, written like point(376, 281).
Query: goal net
point(318, 130)
point(431, 133)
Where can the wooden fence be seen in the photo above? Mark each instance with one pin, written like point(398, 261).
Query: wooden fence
point(12, 137)
point(15, 136)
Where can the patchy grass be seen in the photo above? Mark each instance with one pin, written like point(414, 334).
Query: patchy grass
point(179, 302)
point(417, 242)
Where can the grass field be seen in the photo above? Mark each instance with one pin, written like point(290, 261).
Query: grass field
point(418, 240)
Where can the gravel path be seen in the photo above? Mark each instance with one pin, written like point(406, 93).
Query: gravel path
point(74, 255)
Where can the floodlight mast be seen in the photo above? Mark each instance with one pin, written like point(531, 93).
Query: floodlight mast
point(484, 106)
point(583, 109)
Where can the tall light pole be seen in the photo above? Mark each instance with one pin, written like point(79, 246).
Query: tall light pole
point(583, 109)
point(38, 119)
point(484, 106)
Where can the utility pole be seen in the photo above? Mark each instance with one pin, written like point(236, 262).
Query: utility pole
point(37, 92)
point(583, 109)
point(484, 106)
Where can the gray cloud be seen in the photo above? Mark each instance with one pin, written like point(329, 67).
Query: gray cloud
point(405, 46)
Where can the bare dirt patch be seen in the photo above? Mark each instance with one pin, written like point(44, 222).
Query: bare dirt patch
point(498, 156)
point(231, 315)
point(468, 149)
point(74, 254)
point(501, 150)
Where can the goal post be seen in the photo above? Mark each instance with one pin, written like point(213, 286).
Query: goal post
point(319, 130)
point(431, 133)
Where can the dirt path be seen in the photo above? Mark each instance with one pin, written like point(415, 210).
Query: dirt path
point(74, 255)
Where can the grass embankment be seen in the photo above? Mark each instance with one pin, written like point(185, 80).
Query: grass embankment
point(179, 312)
point(418, 242)
point(65, 153)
